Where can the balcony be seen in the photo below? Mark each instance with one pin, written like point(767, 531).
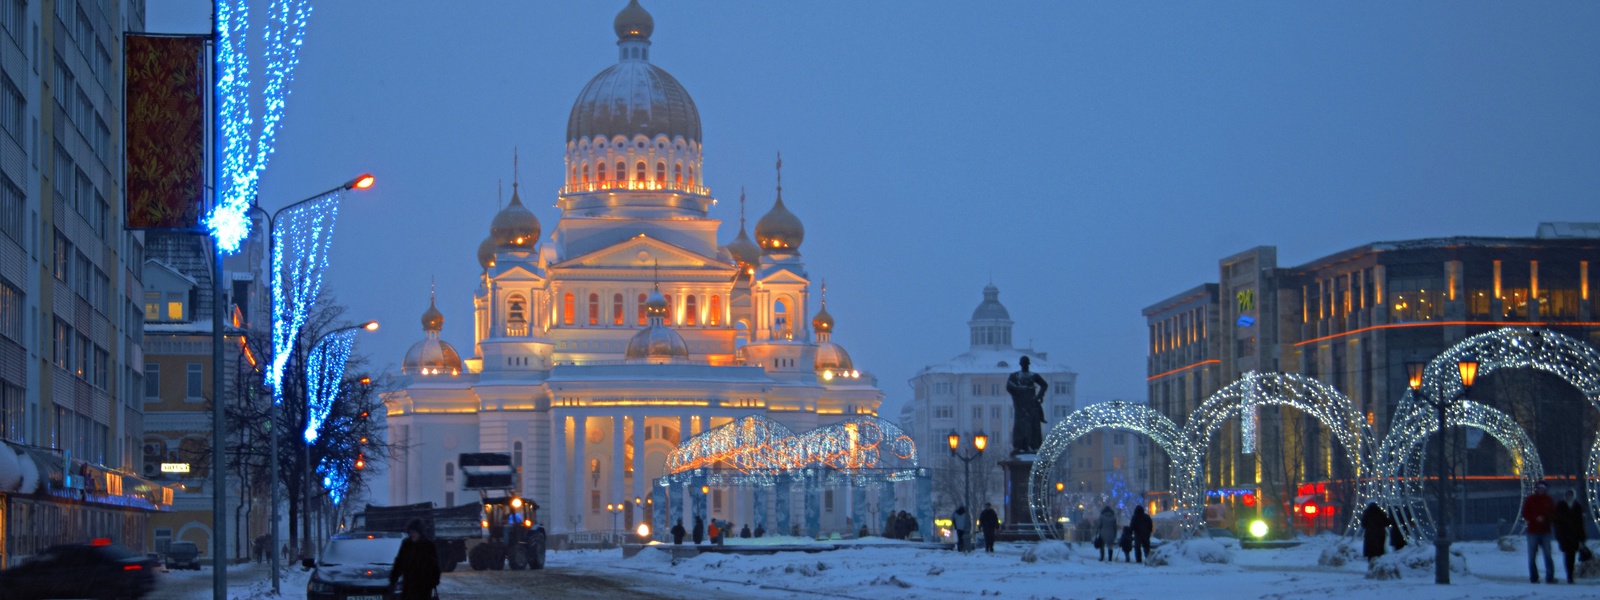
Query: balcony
point(634, 185)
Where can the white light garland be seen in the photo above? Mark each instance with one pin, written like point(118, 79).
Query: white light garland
point(755, 451)
point(325, 376)
point(300, 252)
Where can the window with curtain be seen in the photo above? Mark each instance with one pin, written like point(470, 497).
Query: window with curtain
point(594, 309)
point(691, 315)
point(715, 316)
point(616, 309)
point(567, 306)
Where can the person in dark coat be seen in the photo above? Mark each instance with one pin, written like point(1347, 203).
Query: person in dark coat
point(416, 566)
point(1374, 527)
point(1125, 542)
point(1538, 509)
point(962, 523)
point(989, 522)
point(1569, 529)
point(699, 530)
point(890, 525)
point(913, 527)
point(678, 532)
point(1106, 529)
point(760, 531)
point(1143, 527)
point(745, 532)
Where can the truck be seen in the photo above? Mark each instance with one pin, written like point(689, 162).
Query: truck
point(450, 528)
point(516, 539)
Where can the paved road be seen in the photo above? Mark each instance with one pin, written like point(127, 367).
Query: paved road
point(569, 582)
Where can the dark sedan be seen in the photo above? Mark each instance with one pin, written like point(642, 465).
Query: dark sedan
point(354, 566)
point(99, 569)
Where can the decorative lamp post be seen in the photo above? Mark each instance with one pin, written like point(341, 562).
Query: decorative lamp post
point(979, 442)
point(616, 511)
point(1468, 369)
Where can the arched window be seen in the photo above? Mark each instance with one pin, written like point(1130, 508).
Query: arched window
point(574, 173)
point(780, 316)
point(638, 172)
point(622, 171)
point(585, 174)
point(661, 173)
point(670, 312)
point(594, 309)
point(715, 316)
point(600, 172)
point(616, 309)
point(691, 175)
point(691, 314)
point(516, 309)
point(677, 175)
point(642, 316)
point(566, 309)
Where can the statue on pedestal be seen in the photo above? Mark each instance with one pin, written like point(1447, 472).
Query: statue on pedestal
point(1027, 391)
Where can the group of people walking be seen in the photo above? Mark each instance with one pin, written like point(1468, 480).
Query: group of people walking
point(1133, 538)
point(719, 531)
point(988, 522)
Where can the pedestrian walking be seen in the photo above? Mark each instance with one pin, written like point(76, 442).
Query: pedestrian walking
point(1375, 525)
point(890, 525)
point(1125, 542)
point(989, 522)
point(1570, 530)
point(699, 530)
point(745, 532)
point(677, 532)
point(416, 566)
point(1538, 510)
point(1143, 527)
point(760, 530)
point(1107, 531)
point(716, 533)
point(962, 522)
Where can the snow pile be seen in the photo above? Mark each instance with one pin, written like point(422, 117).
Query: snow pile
point(1509, 543)
point(1338, 554)
point(1415, 561)
point(1205, 551)
point(1049, 552)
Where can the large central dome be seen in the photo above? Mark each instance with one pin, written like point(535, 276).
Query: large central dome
point(634, 97)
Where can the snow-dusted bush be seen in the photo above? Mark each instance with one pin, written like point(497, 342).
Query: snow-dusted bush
point(1416, 561)
point(1052, 552)
point(1195, 550)
point(1338, 554)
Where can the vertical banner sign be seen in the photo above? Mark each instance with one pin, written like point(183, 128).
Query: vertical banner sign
point(165, 120)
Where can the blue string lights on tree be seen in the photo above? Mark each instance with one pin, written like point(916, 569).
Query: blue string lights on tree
point(325, 377)
point(244, 157)
point(334, 479)
point(299, 257)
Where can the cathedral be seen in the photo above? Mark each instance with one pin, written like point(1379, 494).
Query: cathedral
point(601, 345)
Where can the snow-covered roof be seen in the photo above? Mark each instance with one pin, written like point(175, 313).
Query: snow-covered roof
point(995, 362)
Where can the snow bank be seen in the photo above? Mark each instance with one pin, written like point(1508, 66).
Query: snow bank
point(1202, 550)
point(1050, 552)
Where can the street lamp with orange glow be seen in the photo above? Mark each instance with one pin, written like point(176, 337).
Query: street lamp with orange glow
point(979, 442)
point(1467, 368)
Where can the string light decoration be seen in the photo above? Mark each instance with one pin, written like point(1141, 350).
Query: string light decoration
point(334, 480)
point(754, 451)
point(1125, 416)
point(1525, 348)
point(1314, 398)
point(1247, 423)
point(300, 251)
point(244, 157)
point(324, 377)
point(1401, 456)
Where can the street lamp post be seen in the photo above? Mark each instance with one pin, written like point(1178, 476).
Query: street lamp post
point(1468, 369)
point(979, 442)
point(361, 182)
point(616, 511)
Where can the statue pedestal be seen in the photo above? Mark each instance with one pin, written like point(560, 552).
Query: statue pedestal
point(1018, 521)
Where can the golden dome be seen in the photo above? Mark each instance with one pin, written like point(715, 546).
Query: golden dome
point(634, 22)
point(656, 304)
point(779, 231)
point(832, 357)
point(656, 343)
point(432, 356)
point(432, 319)
point(823, 322)
point(486, 253)
point(515, 225)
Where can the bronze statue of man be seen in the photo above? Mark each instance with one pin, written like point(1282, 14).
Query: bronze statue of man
point(1027, 391)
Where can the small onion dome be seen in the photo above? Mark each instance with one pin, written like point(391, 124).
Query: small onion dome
point(656, 343)
point(634, 22)
point(486, 253)
point(432, 319)
point(779, 231)
point(832, 357)
point(515, 225)
point(991, 308)
point(823, 322)
point(744, 250)
point(431, 356)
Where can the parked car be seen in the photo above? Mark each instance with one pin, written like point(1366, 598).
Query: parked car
point(99, 569)
point(355, 566)
point(183, 555)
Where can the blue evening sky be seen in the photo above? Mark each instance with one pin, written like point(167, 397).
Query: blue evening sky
point(1090, 158)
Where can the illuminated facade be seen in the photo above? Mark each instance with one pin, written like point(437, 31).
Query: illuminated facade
point(1352, 320)
point(629, 329)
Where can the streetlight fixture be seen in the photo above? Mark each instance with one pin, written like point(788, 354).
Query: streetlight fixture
point(979, 442)
point(362, 182)
point(616, 511)
point(1468, 370)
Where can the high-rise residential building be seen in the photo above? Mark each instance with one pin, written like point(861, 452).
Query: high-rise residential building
point(70, 322)
point(966, 395)
point(1353, 320)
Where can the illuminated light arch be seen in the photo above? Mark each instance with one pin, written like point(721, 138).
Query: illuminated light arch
point(1316, 399)
point(1525, 348)
point(859, 443)
point(755, 451)
point(749, 444)
point(1116, 414)
point(1400, 457)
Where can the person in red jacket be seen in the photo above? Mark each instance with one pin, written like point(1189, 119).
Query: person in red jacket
point(1538, 510)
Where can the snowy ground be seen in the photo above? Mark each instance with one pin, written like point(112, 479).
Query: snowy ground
point(886, 572)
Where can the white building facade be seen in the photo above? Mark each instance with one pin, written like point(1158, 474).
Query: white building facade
point(966, 395)
point(627, 329)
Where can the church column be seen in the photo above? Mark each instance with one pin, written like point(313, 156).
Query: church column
point(683, 429)
point(580, 473)
point(759, 496)
point(618, 463)
point(781, 504)
point(639, 475)
point(558, 476)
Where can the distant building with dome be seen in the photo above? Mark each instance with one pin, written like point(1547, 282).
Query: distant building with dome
point(629, 328)
point(966, 395)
